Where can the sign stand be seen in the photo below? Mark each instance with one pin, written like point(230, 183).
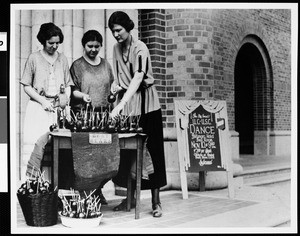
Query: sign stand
point(203, 141)
point(201, 181)
point(182, 153)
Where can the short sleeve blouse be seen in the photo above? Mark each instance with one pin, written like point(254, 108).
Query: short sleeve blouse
point(94, 80)
point(139, 58)
point(38, 70)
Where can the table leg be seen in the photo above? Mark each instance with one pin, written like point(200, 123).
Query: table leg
point(129, 190)
point(139, 167)
point(55, 162)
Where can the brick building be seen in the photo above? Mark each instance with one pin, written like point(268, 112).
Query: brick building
point(242, 56)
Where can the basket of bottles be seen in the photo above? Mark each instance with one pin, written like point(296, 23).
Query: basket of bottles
point(39, 201)
point(82, 212)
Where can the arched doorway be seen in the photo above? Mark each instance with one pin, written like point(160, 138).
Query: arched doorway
point(253, 96)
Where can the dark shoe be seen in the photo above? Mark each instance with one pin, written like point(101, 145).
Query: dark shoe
point(100, 195)
point(123, 205)
point(157, 210)
point(102, 199)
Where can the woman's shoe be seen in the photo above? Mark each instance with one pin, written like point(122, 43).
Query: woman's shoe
point(102, 199)
point(98, 193)
point(123, 205)
point(157, 210)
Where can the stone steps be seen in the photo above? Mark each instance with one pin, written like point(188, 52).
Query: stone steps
point(266, 175)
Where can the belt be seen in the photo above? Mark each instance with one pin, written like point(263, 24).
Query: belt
point(49, 96)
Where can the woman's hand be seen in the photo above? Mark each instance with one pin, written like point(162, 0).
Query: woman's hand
point(117, 110)
point(47, 105)
point(115, 88)
point(86, 98)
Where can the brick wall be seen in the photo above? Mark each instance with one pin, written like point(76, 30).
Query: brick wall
point(152, 32)
point(194, 52)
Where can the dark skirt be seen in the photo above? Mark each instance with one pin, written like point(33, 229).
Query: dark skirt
point(152, 126)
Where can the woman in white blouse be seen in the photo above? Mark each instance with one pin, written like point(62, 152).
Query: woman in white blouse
point(45, 72)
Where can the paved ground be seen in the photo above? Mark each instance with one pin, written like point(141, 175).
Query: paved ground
point(252, 209)
point(264, 209)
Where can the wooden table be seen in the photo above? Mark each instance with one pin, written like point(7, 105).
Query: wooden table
point(61, 139)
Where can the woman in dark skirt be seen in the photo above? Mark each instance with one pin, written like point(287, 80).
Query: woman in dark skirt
point(137, 97)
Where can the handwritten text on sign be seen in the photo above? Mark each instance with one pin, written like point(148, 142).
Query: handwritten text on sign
point(100, 138)
point(204, 140)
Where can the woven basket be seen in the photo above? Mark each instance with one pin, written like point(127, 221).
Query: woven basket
point(39, 209)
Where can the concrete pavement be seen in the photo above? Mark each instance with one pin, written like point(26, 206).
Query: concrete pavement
point(253, 209)
point(267, 208)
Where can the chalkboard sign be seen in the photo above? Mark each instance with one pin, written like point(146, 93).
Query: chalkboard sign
point(203, 138)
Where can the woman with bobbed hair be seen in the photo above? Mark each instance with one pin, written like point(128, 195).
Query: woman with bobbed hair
point(92, 76)
point(45, 72)
point(137, 96)
point(49, 30)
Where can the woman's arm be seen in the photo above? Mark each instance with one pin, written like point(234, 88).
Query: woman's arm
point(68, 91)
point(80, 95)
point(133, 87)
point(77, 94)
point(46, 104)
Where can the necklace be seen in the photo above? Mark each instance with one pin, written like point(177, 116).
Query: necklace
point(125, 55)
